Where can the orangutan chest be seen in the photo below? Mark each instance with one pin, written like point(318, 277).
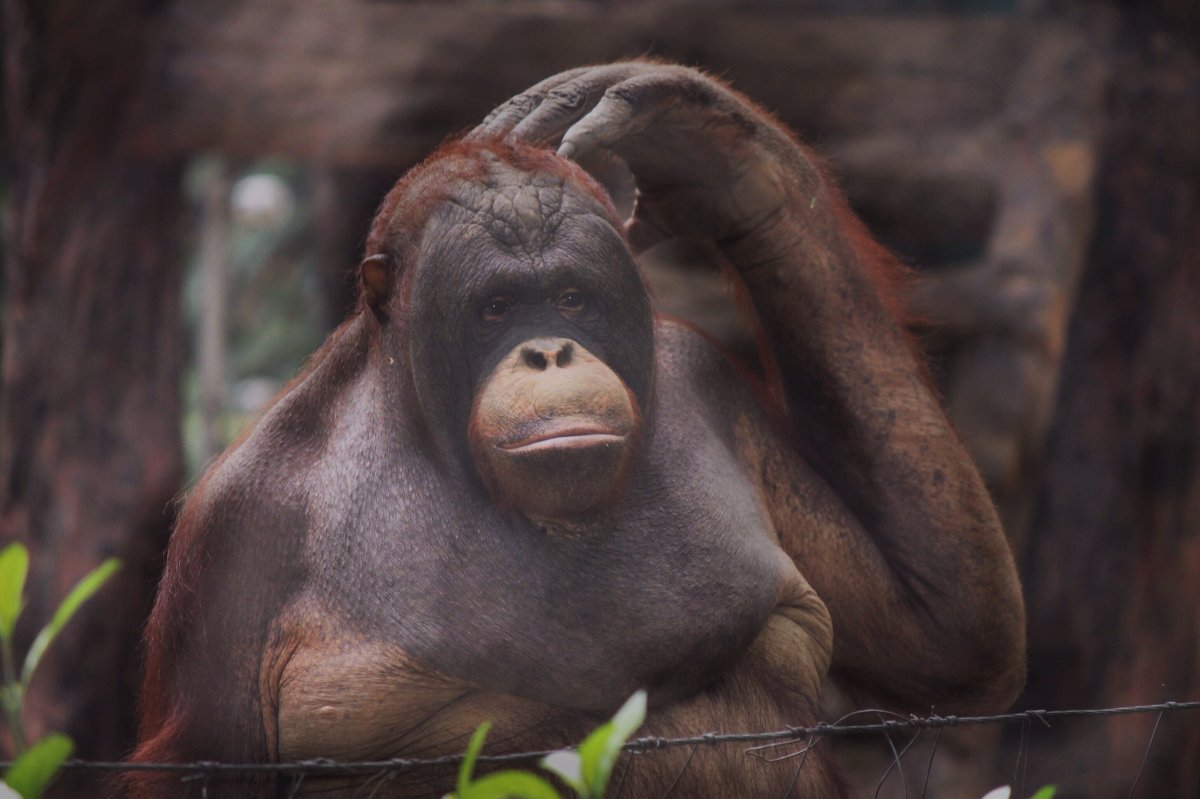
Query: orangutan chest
point(367, 701)
point(359, 700)
point(663, 592)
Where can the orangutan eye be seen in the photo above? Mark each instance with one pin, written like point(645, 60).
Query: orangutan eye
point(496, 308)
point(571, 300)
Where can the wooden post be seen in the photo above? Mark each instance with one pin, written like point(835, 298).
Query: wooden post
point(90, 454)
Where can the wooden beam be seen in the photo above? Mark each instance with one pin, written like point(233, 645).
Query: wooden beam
point(359, 82)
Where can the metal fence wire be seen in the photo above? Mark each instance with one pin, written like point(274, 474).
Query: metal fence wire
point(761, 742)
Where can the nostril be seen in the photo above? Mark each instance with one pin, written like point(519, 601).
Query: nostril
point(564, 355)
point(535, 358)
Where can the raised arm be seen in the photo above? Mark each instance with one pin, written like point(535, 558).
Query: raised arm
point(909, 555)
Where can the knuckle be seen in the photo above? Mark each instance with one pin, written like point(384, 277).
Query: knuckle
point(667, 84)
point(570, 98)
point(491, 117)
point(626, 93)
point(514, 108)
point(524, 103)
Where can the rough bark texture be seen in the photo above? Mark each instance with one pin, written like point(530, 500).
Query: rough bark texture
point(89, 409)
point(1114, 548)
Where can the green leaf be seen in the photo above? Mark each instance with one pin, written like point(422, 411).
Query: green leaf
point(599, 751)
point(1045, 792)
point(467, 768)
point(11, 694)
point(511, 785)
point(566, 765)
point(630, 717)
point(81, 593)
point(35, 769)
point(14, 566)
point(591, 753)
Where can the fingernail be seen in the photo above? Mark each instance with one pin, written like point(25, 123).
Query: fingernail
point(567, 149)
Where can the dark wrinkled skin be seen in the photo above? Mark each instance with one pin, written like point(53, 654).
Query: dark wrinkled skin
point(345, 583)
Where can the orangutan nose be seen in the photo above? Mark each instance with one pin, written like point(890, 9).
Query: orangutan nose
point(541, 352)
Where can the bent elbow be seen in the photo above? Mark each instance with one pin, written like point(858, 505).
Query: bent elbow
point(1004, 669)
point(994, 662)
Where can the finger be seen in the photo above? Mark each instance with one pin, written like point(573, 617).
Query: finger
point(498, 123)
point(630, 107)
point(567, 102)
point(505, 116)
point(557, 112)
point(604, 127)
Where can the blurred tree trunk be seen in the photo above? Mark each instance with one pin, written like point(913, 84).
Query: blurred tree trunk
point(214, 223)
point(89, 404)
point(346, 200)
point(1113, 560)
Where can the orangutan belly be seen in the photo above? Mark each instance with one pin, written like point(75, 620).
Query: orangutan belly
point(361, 700)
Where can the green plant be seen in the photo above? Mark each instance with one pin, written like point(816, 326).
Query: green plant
point(585, 770)
point(35, 766)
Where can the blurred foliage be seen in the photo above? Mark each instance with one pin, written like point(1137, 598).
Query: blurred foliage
point(275, 304)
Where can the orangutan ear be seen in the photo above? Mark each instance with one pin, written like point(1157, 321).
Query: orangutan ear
point(375, 273)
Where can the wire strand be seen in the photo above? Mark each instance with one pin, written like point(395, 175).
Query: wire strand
point(205, 768)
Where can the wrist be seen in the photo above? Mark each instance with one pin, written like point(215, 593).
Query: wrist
point(773, 241)
point(801, 199)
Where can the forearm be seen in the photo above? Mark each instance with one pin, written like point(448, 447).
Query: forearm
point(855, 392)
point(862, 413)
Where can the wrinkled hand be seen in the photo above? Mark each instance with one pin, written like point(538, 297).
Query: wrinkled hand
point(707, 163)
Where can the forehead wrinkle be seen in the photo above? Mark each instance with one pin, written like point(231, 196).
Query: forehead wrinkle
point(467, 249)
point(519, 210)
point(532, 212)
point(534, 232)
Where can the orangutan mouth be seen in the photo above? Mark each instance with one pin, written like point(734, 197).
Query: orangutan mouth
point(565, 438)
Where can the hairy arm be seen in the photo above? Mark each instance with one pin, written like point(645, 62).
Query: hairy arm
point(877, 500)
point(204, 696)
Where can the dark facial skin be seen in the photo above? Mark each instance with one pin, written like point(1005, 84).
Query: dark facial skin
point(540, 342)
point(504, 491)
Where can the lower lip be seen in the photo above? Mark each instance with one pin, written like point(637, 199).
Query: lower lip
point(570, 441)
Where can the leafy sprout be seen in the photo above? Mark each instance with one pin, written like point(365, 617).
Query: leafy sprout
point(585, 771)
point(37, 765)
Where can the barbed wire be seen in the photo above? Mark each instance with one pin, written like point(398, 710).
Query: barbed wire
point(898, 723)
